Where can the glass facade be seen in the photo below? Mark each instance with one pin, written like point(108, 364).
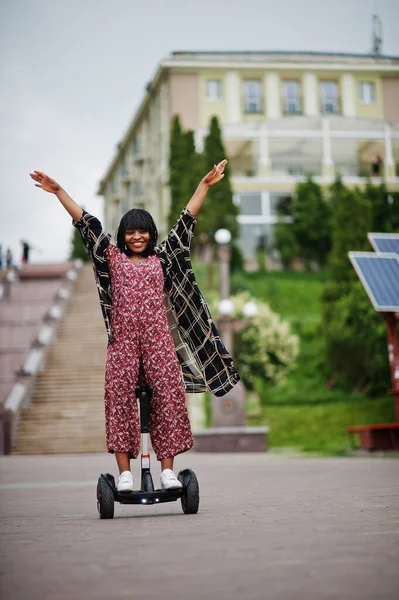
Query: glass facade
point(255, 236)
point(213, 89)
point(292, 96)
point(258, 217)
point(251, 203)
point(295, 157)
point(366, 92)
point(280, 203)
point(252, 96)
point(329, 95)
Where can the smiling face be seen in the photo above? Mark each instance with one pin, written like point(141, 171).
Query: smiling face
point(137, 234)
point(137, 240)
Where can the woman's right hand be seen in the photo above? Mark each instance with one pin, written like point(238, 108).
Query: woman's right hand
point(44, 182)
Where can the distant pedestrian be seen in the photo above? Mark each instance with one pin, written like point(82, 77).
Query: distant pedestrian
point(376, 166)
point(25, 251)
point(9, 260)
point(1, 257)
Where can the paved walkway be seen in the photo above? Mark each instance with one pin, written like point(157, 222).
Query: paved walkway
point(268, 528)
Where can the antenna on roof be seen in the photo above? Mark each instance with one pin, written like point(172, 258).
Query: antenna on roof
point(377, 35)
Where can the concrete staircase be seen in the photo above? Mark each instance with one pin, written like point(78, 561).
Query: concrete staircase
point(67, 411)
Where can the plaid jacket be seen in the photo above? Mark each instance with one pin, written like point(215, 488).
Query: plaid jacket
point(204, 360)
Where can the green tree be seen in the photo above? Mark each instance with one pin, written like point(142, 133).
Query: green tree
point(356, 348)
point(237, 259)
point(354, 334)
point(351, 223)
point(219, 209)
point(334, 192)
point(78, 249)
point(393, 200)
point(311, 222)
point(380, 207)
point(285, 243)
point(177, 164)
point(185, 169)
point(194, 168)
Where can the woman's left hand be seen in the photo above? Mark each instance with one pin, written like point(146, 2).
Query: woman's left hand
point(216, 174)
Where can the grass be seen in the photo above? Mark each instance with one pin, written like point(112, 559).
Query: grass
point(302, 413)
point(293, 295)
point(323, 427)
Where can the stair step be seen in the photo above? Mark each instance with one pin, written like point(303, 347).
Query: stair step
point(67, 410)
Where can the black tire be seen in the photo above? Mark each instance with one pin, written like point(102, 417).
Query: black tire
point(190, 497)
point(105, 499)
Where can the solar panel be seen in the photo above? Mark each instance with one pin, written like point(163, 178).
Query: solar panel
point(379, 274)
point(384, 242)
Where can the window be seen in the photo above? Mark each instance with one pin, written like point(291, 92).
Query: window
point(252, 96)
point(136, 145)
point(254, 237)
point(124, 169)
point(292, 97)
point(366, 92)
point(280, 204)
point(329, 97)
point(213, 89)
point(137, 189)
point(251, 204)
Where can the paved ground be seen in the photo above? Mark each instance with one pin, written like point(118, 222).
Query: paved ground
point(268, 528)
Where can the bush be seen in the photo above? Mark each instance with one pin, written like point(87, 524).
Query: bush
point(286, 243)
point(357, 343)
point(237, 259)
point(311, 222)
point(265, 348)
point(355, 339)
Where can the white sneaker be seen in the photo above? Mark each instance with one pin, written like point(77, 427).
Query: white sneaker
point(169, 480)
point(125, 482)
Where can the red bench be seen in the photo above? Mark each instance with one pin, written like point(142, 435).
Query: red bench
point(384, 436)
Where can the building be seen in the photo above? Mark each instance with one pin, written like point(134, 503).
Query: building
point(283, 115)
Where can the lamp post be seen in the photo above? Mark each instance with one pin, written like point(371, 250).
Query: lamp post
point(228, 431)
point(223, 239)
point(230, 409)
point(226, 308)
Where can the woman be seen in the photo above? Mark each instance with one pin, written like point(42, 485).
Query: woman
point(159, 328)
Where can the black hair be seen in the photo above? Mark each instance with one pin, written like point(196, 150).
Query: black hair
point(137, 218)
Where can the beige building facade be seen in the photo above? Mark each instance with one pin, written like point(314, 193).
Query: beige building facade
point(283, 115)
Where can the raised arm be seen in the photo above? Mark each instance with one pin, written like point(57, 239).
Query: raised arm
point(49, 185)
point(200, 193)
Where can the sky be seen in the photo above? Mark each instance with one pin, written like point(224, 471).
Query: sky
point(73, 72)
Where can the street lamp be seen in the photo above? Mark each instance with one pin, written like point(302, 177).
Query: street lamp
point(223, 236)
point(250, 310)
point(228, 431)
point(226, 308)
point(223, 239)
point(230, 410)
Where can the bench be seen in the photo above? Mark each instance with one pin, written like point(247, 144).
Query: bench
point(384, 436)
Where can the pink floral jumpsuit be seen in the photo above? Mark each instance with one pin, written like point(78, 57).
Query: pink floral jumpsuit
point(142, 346)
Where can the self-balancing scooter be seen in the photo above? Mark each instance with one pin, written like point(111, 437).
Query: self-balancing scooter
point(107, 494)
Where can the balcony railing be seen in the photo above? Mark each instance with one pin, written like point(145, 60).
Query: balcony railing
point(292, 106)
point(253, 106)
point(330, 106)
